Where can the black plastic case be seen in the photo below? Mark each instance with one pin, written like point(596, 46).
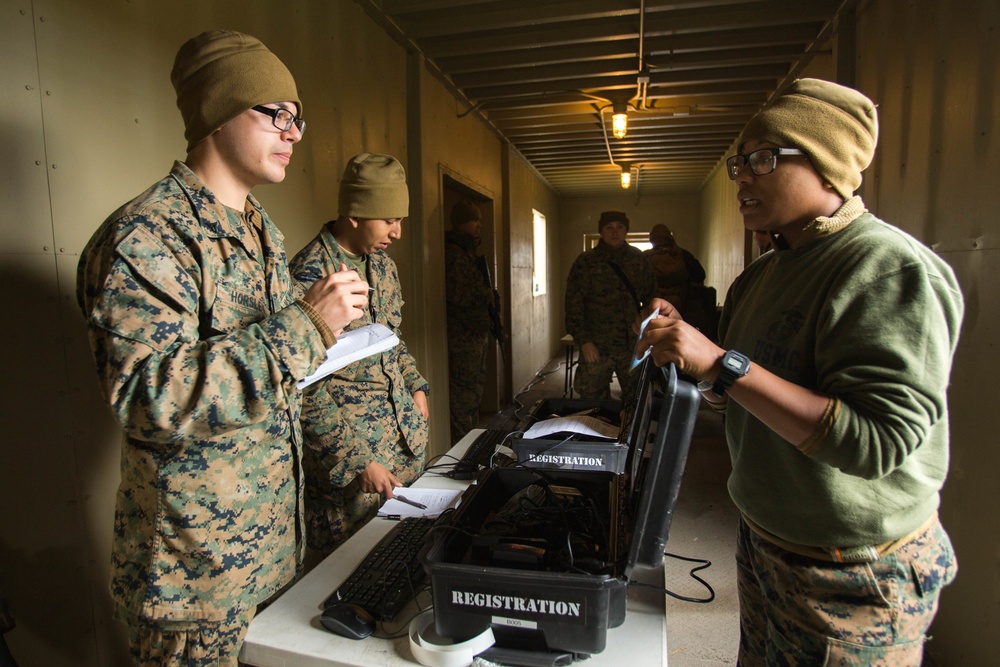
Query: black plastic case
point(522, 583)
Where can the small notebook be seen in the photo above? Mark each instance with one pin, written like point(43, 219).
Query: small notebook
point(353, 346)
point(434, 501)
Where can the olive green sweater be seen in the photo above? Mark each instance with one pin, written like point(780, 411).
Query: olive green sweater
point(864, 313)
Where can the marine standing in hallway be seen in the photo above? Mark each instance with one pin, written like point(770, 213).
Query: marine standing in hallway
point(200, 337)
point(606, 288)
point(469, 299)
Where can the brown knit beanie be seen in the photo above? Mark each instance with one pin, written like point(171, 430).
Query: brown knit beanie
point(836, 126)
point(612, 216)
point(374, 187)
point(220, 74)
point(463, 211)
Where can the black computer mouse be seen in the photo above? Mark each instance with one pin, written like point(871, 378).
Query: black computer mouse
point(348, 620)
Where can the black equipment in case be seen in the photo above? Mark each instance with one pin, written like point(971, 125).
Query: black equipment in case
point(544, 556)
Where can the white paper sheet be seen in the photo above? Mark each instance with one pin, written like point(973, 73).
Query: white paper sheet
point(638, 360)
point(436, 501)
point(581, 424)
point(353, 346)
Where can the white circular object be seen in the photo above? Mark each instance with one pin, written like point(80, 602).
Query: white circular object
point(432, 650)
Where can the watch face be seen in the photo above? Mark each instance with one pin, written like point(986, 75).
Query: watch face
point(736, 362)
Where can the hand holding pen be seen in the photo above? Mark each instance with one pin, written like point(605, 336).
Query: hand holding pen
point(411, 503)
point(339, 298)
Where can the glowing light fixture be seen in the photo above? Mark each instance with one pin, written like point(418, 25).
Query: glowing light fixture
point(626, 178)
point(619, 121)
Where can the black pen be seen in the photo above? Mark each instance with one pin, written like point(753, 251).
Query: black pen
point(419, 506)
point(392, 517)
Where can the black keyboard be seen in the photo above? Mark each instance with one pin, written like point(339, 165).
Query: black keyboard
point(391, 574)
point(479, 453)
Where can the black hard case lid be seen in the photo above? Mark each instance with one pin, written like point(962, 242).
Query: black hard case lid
point(656, 460)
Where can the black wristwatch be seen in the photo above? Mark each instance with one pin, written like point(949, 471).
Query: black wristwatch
point(734, 366)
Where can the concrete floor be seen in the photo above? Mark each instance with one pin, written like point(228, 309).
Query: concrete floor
point(704, 527)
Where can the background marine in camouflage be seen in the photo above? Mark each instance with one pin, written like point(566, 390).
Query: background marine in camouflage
point(469, 299)
point(680, 279)
point(605, 287)
point(199, 340)
point(366, 424)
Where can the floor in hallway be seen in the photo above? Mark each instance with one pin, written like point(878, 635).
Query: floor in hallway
point(704, 527)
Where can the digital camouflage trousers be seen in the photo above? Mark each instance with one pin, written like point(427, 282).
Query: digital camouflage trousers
point(155, 643)
point(797, 611)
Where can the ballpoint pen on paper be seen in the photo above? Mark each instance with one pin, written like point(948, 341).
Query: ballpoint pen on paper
point(419, 506)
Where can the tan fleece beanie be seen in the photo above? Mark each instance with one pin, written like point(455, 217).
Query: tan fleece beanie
point(220, 74)
point(836, 126)
point(374, 187)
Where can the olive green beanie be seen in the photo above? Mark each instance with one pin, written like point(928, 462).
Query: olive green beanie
point(220, 74)
point(836, 126)
point(464, 211)
point(374, 187)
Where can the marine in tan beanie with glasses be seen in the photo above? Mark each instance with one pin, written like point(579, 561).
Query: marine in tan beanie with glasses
point(366, 424)
point(833, 372)
point(200, 336)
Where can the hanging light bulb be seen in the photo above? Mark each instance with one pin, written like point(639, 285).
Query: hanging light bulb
point(619, 120)
point(626, 178)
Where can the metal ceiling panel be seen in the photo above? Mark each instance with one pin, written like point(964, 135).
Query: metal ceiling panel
point(545, 75)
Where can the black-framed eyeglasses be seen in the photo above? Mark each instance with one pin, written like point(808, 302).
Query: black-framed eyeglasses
point(283, 119)
point(761, 161)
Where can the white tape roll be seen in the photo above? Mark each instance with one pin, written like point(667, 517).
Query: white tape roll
point(432, 650)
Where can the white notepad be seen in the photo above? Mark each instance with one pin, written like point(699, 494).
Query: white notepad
point(435, 501)
point(353, 346)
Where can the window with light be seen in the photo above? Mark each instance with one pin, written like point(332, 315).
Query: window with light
point(538, 249)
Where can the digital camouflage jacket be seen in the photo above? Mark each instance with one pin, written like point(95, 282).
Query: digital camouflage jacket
point(468, 296)
point(357, 414)
point(599, 308)
point(199, 346)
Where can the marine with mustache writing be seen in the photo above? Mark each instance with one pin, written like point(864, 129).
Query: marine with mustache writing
point(200, 336)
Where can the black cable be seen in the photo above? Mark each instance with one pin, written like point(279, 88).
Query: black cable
point(704, 564)
point(538, 377)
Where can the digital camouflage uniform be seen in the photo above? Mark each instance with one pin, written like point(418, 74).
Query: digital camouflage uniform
point(600, 310)
point(468, 298)
point(199, 347)
point(362, 413)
